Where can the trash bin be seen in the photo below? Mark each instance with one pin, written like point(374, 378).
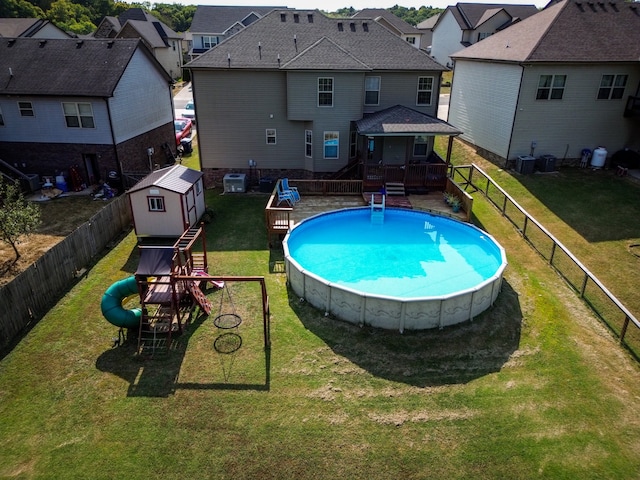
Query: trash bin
point(267, 184)
point(187, 145)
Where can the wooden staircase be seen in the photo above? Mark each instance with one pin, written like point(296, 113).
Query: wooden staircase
point(393, 188)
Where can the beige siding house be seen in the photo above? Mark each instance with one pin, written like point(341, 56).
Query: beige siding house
point(291, 92)
point(531, 91)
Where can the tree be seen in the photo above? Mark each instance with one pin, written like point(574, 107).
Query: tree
point(19, 9)
point(71, 17)
point(17, 215)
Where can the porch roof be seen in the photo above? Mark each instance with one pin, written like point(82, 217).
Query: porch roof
point(399, 121)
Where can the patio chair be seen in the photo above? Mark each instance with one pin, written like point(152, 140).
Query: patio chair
point(285, 196)
point(294, 191)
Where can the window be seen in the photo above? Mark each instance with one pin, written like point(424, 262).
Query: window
point(551, 87)
point(371, 90)
point(26, 109)
point(411, 40)
point(420, 144)
point(353, 143)
point(331, 144)
point(308, 143)
point(198, 187)
point(483, 35)
point(425, 89)
point(78, 115)
point(271, 136)
point(156, 204)
point(325, 92)
point(208, 41)
point(612, 87)
point(1, 119)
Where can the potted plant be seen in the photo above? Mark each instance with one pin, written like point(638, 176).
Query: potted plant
point(455, 203)
point(448, 197)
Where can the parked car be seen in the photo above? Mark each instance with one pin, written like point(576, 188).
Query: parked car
point(183, 127)
point(189, 111)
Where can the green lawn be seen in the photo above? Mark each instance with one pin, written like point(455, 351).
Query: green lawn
point(533, 388)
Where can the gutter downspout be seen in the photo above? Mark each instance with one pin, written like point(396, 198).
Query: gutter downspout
point(113, 140)
point(513, 123)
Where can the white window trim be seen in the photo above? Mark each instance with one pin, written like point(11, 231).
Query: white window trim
point(418, 91)
point(211, 40)
point(271, 133)
point(411, 40)
point(612, 87)
point(308, 142)
point(551, 88)
point(78, 116)
point(26, 109)
point(416, 142)
point(379, 88)
point(156, 204)
point(332, 91)
point(324, 144)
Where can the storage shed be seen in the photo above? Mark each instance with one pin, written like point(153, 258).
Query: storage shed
point(167, 202)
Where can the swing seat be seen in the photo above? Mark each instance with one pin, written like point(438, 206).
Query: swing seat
point(227, 321)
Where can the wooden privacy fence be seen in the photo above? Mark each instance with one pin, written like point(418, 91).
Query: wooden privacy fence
point(28, 297)
point(603, 303)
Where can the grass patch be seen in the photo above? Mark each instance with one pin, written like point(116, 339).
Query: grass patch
point(534, 387)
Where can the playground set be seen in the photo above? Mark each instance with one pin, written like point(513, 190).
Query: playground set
point(169, 282)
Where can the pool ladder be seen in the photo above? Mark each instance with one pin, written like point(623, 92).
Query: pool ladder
point(377, 209)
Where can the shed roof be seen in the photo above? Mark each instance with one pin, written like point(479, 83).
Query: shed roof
point(402, 121)
point(177, 178)
point(282, 39)
point(566, 31)
point(65, 67)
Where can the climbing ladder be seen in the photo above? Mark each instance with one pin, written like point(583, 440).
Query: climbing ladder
point(377, 209)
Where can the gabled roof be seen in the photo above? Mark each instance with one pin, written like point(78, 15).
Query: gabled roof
point(151, 32)
point(65, 67)
point(21, 27)
point(214, 19)
point(470, 15)
point(429, 23)
point(177, 178)
point(567, 31)
point(392, 20)
point(403, 121)
point(289, 35)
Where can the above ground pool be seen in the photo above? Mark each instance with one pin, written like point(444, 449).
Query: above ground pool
point(401, 269)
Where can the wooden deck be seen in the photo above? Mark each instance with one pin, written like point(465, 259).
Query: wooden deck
point(314, 204)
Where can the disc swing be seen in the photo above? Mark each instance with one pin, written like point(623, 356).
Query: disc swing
point(227, 321)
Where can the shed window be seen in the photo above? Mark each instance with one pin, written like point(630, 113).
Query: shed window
point(612, 87)
point(156, 204)
point(271, 136)
point(551, 87)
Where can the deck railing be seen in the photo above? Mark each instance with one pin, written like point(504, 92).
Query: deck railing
point(327, 187)
point(595, 294)
point(277, 218)
point(431, 176)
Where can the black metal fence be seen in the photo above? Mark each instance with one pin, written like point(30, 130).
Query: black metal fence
point(603, 303)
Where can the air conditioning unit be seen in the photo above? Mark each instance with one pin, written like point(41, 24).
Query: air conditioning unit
point(525, 164)
point(235, 183)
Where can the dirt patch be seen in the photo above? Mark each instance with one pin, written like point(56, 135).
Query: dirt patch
point(60, 217)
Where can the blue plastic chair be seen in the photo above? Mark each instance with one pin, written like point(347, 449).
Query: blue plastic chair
point(285, 196)
point(293, 190)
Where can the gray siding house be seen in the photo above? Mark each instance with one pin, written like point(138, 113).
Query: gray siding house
point(60, 108)
point(211, 24)
point(162, 41)
point(563, 80)
point(407, 32)
point(305, 94)
point(465, 24)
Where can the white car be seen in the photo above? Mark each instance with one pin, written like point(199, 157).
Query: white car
point(189, 111)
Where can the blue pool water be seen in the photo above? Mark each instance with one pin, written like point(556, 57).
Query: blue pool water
point(412, 254)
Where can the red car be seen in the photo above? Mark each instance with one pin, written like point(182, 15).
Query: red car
point(183, 127)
